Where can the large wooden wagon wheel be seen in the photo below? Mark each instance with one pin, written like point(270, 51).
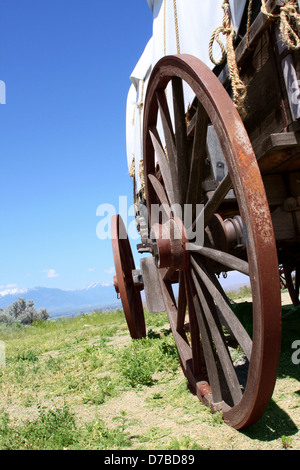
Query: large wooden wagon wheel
point(125, 286)
point(238, 236)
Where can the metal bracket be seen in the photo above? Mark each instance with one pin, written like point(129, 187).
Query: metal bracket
point(137, 277)
point(145, 246)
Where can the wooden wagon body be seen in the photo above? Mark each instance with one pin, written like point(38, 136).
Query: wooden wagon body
point(236, 177)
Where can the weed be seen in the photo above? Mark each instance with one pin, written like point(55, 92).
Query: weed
point(143, 358)
point(97, 435)
point(156, 434)
point(26, 356)
point(286, 441)
point(53, 429)
point(135, 364)
point(185, 443)
point(100, 391)
point(56, 429)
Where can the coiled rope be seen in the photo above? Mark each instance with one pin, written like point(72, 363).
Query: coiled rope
point(239, 89)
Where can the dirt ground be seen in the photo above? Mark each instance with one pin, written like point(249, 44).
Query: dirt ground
point(164, 423)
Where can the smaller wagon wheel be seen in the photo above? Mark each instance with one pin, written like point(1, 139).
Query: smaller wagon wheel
point(128, 291)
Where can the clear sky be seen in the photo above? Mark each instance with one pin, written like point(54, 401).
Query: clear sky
point(66, 66)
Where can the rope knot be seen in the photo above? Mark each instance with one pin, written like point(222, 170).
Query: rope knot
point(290, 25)
point(289, 22)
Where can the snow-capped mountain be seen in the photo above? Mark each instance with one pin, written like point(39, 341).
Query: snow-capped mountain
point(13, 292)
point(60, 302)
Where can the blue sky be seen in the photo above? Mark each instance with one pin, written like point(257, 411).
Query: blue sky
point(66, 65)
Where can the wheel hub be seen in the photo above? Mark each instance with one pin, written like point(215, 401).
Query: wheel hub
point(228, 234)
point(169, 245)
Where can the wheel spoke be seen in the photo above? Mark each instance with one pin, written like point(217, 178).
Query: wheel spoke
point(219, 341)
point(212, 204)
point(161, 195)
point(234, 324)
point(217, 198)
point(159, 190)
point(221, 257)
point(182, 303)
point(180, 137)
point(196, 175)
point(198, 355)
point(208, 351)
point(163, 165)
point(170, 140)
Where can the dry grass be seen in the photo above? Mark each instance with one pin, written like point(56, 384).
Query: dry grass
point(75, 368)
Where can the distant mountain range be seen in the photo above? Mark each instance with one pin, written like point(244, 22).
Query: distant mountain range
point(60, 302)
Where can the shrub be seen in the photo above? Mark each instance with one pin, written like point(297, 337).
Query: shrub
point(23, 312)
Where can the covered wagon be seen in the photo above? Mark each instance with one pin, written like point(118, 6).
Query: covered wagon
point(213, 152)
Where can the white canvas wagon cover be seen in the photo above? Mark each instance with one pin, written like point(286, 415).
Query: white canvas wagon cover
point(181, 26)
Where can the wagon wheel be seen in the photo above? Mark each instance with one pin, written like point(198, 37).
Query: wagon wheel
point(177, 170)
point(128, 291)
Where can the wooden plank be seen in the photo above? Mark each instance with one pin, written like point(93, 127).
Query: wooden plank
point(264, 102)
point(258, 26)
point(277, 150)
point(153, 294)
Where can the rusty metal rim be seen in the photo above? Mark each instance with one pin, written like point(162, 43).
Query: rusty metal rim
point(124, 264)
point(250, 192)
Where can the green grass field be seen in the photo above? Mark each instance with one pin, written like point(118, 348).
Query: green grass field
point(82, 383)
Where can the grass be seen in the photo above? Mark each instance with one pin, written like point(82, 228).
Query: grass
point(242, 293)
point(82, 383)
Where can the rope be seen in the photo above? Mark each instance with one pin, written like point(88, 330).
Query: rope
point(216, 37)
point(176, 27)
point(142, 179)
point(238, 88)
point(248, 23)
point(132, 169)
point(289, 25)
